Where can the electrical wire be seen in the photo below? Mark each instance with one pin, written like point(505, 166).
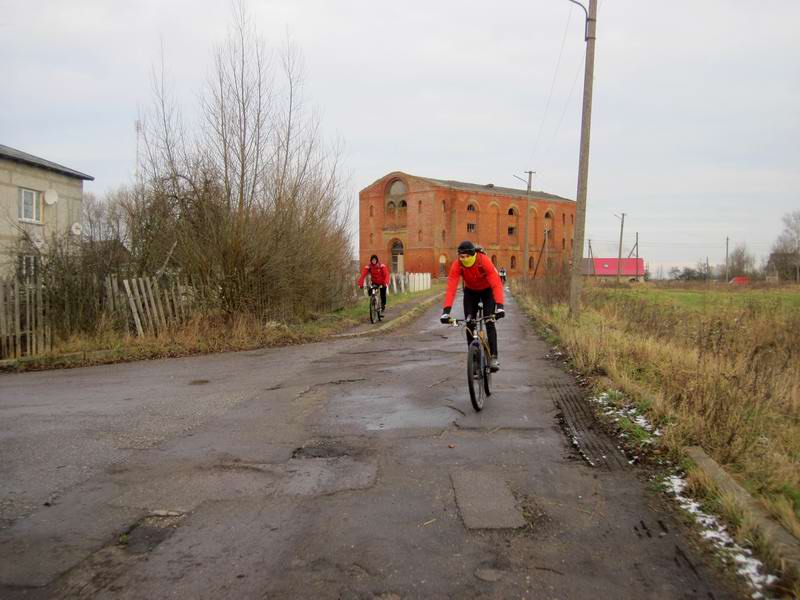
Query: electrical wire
point(552, 86)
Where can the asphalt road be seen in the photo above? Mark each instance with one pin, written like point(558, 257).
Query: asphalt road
point(353, 468)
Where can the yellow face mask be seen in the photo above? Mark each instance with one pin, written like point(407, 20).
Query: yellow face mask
point(468, 261)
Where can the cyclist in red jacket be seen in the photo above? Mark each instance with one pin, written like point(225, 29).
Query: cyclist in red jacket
point(379, 274)
point(481, 283)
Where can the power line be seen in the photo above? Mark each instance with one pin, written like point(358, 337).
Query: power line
point(552, 86)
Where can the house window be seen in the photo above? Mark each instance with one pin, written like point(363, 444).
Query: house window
point(471, 208)
point(419, 235)
point(471, 227)
point(419, 206)
point(530, 263)
point(513, 262)
point(512, 212)
point(370, 210)
point(512, 230)
point(563, 244)
point(403, 204)
point(30, 205)
point(572, 219)
point(563, 218)
point(390, 206)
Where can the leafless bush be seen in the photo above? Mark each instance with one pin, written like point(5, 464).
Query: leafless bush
point(252, 206)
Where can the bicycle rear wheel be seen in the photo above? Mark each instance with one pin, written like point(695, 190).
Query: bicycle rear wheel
point(475, 377)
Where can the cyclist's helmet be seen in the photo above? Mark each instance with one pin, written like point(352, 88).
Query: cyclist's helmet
point(467, 247)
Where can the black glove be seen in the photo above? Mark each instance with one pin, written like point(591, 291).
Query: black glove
point(445, 318)
point(499, 311)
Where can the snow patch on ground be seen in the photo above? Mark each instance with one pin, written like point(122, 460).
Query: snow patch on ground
point(614, 413)
point(715, 532)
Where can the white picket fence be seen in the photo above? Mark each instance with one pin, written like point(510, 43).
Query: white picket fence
point(400, 283)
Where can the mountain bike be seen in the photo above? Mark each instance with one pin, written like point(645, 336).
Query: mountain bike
point(375, 310)
point(479, 374)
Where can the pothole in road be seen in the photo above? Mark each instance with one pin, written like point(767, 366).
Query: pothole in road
point(149, 532)
point(321, 451)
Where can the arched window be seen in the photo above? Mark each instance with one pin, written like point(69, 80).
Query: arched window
point(419, 206)
point(444, 207)
point(572, 219)
point(512, 212)
point(548, 227)
point(443, 234)
point(419, 235)
point(531, 263)
point(513, 262)
point(494, 259)
point(471, 207)
point(397, 256)
point(395, 198)
point(563, 218)
point(370, 210)
point(563, 244)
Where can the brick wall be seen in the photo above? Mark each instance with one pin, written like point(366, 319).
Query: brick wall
point(437, 218)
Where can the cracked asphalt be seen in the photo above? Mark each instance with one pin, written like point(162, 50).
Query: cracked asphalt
point(353, 468)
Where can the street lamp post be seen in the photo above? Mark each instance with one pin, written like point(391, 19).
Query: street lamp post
point(583, 162)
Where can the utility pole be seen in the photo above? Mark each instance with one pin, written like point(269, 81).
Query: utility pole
point(583, 161)
point(619, 256)
point(525, 249)
point(726, 259)
point(637, 257)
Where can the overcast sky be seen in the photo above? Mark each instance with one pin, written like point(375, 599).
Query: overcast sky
point(696, 115)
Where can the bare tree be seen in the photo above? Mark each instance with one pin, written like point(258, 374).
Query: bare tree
point(740, 261)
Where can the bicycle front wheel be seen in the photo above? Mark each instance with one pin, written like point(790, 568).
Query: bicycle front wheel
point(475, 377)
point(373, 309)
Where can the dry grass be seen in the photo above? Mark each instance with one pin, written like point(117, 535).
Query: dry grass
point(210, 332)
point(726, 378)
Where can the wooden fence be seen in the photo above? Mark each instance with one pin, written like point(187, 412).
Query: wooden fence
point(143, 305)
point(24, 329)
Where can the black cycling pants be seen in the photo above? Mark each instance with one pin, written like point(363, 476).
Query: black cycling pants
point(471, 299)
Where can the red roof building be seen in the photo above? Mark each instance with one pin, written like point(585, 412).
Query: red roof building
point(629, 268)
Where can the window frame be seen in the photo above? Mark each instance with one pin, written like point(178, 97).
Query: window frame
point(37, 208)
point(472, 227)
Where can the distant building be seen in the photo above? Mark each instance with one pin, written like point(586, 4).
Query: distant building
point(416, 223)
point(784, 266)
point(630, 269)
point(37, 197)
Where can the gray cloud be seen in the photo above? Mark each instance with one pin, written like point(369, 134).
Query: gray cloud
point(694, 128)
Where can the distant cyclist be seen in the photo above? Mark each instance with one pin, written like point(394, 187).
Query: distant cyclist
point(379, 274)
point(481, 283)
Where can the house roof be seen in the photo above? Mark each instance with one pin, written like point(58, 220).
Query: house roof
point(490, 188)
point(29, 159)
point(608, 267)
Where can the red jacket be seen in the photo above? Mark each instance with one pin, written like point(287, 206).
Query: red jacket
point(379, 274)
point(479, 276)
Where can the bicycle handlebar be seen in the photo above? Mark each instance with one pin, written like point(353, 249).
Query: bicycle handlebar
point(457, 322)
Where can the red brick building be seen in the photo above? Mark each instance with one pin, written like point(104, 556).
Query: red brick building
point(415, 224)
